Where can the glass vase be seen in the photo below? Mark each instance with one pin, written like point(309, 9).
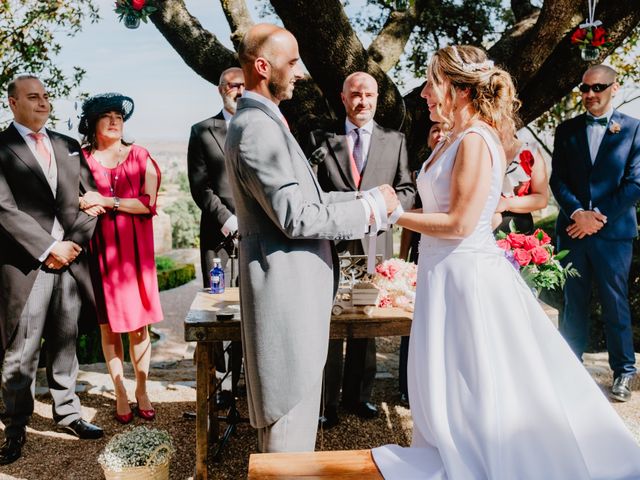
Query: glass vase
point(131, 21)
point(590, 53)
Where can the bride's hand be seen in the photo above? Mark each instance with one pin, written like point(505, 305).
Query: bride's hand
point(94, 198)
point(496, 220)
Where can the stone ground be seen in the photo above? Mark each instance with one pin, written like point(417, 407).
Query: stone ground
point(49, 453)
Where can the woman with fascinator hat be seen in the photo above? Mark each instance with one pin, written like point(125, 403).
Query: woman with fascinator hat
point(495, 391)
point(122, 255)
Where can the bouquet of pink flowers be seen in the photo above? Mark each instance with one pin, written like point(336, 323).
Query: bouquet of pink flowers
point(396, 280)
point(533, 256)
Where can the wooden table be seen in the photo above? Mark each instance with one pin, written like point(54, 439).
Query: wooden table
point(201, 326)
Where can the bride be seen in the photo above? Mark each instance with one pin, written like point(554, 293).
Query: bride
point(495, 391)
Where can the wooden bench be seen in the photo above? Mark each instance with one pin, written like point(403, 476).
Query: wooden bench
point(342, 464)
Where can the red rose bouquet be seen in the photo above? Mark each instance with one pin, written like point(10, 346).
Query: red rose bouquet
point(534, 257)
point(396, 280)
point(591, 37)
point(132, 11)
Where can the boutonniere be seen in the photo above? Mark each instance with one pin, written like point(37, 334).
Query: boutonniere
point(615, 127)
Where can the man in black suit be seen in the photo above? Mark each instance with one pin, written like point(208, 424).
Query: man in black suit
point(358, 155)
point(44, 274)
point(211, 191)
point(208, 175)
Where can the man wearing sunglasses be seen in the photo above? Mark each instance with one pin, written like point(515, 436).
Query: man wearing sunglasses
point(596, 181)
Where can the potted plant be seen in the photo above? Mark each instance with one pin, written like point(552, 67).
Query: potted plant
point(137, 453)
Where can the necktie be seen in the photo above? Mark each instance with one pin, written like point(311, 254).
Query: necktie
point(597, 121)
point(284, 120)
point(41, 148)
point(357, 149)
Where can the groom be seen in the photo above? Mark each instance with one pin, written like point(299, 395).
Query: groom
point(596, 182)
point(288, 266)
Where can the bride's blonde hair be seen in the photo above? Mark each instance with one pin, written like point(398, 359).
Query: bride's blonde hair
point(492, 93)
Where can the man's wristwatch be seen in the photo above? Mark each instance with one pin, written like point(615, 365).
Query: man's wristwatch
point(116, 203)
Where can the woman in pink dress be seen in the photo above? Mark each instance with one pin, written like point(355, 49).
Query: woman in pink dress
point(122, 257)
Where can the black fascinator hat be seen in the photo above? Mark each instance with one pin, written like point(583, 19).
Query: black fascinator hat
point(101, 103)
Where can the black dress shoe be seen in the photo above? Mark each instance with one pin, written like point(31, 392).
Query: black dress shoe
point(621, 389)
point(404, 399)
point(84, 430)
point(11, 449)
point(366, 410)
point(224, 399)
point(329, 419)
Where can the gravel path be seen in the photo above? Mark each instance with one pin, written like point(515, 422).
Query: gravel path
point(50, 454)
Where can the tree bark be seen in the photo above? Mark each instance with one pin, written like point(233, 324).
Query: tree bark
point(331, 50)
point(199, 48)
point(389, 45)
point(238, 17)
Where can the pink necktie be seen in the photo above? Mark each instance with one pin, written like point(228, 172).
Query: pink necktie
point(41, 148)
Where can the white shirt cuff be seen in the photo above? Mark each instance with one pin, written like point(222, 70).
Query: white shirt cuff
point(576, 211)
point(230, 226)
point(46, 253)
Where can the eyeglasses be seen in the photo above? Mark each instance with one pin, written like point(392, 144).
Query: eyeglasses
point(596, 87)
point(231, 85)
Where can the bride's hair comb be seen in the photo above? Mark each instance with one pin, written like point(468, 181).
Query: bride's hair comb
point(471, 67)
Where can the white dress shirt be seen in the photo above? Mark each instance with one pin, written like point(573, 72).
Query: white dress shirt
point(595, 134)
point(51, 173)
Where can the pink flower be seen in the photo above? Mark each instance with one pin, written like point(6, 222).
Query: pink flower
point(385, 302)
point(522, 256)
point(138, 4)
point(387, 270)
point(516, 239)
point(530, 242)
point(540, 255)
point(504, 244)
point(542, 236)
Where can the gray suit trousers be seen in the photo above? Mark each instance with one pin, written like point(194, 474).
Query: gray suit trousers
point(296, 431)
point(51, 312)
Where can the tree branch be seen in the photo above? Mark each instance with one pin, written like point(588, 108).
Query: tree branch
point(199, 48)
point(539, 140)
point(331, 51)
point(238, 17)
point(389, 45)
point(522, 9)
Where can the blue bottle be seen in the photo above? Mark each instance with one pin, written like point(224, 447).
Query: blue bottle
point(217, 277)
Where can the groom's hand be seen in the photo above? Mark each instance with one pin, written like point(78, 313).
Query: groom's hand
point(390, 198)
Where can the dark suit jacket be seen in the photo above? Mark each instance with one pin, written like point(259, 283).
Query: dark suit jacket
point(386, 163)
point(208, 179)
point(27, 211)
point(611, 183)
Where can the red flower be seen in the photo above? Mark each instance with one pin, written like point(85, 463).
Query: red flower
point(542, 236)
point(385, 302)
point(531, 242)
point(516, 239)
point(523, 189)
point(526, 161)
point(599, 37)
point(540, 255)
point(579, 35)
point(504, 244)
point(521, 256)
point(138, 4)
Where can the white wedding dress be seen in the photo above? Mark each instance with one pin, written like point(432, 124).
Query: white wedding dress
point(495, 391)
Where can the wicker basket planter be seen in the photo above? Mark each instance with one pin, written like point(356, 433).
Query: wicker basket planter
point(138, 454)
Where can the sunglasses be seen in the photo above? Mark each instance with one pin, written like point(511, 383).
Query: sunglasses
point(596, 87)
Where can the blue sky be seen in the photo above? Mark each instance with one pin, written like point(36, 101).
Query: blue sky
point(169, 96)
